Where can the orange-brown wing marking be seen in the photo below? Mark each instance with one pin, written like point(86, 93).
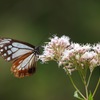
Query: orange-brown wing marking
point(24, 65)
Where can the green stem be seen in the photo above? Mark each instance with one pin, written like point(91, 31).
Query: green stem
point(89, 79)
point(76, 87)
point(81, 76)
point(86, 90)
point(98, 83)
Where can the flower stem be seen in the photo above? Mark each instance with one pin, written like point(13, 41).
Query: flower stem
point(76, 87)
point(89, 79)
point(98, 83)
point(86, 89)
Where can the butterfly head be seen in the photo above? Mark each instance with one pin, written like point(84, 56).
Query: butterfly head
point(37, 50)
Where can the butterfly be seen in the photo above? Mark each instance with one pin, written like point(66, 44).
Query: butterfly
point(23, 56)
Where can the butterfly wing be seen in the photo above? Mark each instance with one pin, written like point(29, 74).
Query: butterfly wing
point(24, 66)
point(11, 49)
point(21, 53)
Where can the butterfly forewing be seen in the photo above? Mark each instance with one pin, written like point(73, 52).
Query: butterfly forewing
point(10, 49)
point(23, 55)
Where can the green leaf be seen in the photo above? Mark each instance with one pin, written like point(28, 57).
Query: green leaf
point(90, 96)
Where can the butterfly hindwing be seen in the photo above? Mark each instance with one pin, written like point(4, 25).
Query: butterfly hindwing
point(23, 55)
point(24, 66)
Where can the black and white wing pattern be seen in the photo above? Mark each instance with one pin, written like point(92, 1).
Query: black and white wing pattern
point(22, 54)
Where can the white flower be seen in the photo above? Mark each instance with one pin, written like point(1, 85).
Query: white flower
point(96, 47)
point(77, 57)
point(65, 57)
point(48, 54)
point(63, 41)
point(75, 46)
point(80, 48)
point(72, 56)
point(89, 55)
point(93, 64)
point(67, 54)
point(53, 50)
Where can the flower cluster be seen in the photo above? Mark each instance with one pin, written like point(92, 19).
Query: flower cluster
point(53, 50)
point(72, 56)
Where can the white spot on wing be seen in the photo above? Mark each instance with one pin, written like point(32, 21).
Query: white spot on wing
point(24, 64)
point(20, 52)
point(19, 69)
point(1, 50)
point(10, 46)
point(19, 45)
point(5, 48)
point(4, 54)
point(20, 61)
point(26, 61)
point(9, 52)
point(1, 46)
point(33, 60)
point(26, 67)
point(14, 49)
point(4, 42)
point(8, 58)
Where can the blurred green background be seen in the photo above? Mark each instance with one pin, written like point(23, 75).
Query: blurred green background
point(34, 21)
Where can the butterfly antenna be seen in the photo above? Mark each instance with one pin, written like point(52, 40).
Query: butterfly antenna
point(46, 36)
point(40, 44)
